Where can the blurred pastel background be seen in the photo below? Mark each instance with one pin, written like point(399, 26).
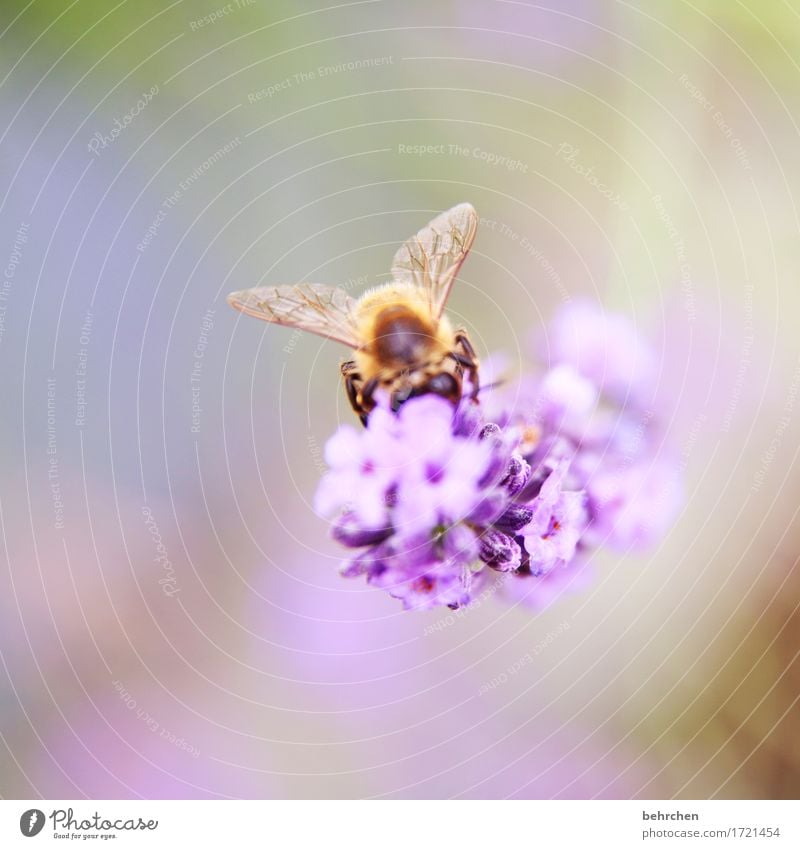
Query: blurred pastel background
point(172, 622)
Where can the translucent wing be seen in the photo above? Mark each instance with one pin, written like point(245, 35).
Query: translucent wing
point(324, 310)
point(431, 259)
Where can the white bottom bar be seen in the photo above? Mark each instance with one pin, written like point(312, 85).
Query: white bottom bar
point(401, 824)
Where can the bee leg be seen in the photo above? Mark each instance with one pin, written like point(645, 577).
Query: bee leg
point(468, 360)
point(463, 340)
point(367, 393)
point(463, 361)
point(465, 364)
point(353, 384)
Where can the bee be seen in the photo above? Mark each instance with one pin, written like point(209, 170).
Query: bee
point(403, 341)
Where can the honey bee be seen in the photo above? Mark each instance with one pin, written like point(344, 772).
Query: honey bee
point(402, 340)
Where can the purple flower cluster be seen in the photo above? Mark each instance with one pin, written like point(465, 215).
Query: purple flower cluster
point(431, 497)
point(437, 502)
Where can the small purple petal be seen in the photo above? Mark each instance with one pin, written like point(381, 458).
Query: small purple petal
point(553, 534)
point(369, 562)
point(459, 544)
point(633, 507)
point(489, 508)
point(495, 470)
point(567, 398)
point(433, 588)
point(413, 552)
point(347, 532)
point(468, 420)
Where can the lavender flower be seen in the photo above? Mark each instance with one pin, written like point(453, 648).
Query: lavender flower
point(621, 459)
point(430, 498)
point(603, 347)
point(437, 502)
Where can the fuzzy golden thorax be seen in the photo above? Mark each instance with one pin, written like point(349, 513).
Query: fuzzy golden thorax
point(399, 334)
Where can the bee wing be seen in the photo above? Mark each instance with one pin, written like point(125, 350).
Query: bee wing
point(324, 310)
point(431, 259)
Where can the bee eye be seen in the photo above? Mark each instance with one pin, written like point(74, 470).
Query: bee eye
point(444, 385)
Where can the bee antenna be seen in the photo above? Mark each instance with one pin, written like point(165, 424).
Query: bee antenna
point(493, 385)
